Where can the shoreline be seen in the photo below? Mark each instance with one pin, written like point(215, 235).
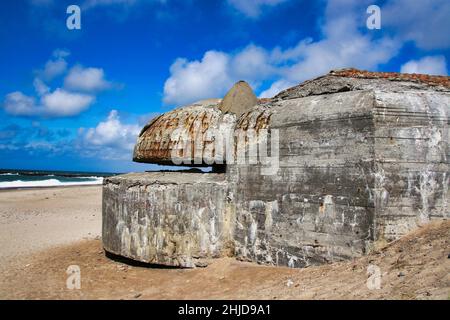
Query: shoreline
point(50, 187)
point(14, 179)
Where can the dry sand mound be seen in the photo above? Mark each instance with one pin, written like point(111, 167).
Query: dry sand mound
point(415, 267)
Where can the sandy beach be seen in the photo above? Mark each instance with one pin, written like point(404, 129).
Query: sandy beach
point(43, 231)
point(40, 218)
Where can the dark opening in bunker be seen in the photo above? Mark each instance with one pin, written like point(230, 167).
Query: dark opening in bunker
point(215, 168)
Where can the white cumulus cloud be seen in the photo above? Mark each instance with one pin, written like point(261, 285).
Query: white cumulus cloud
point(18, 104)
point(276, 88)
point(59, 103)
point(56, 66)
point(110, 139)
point(78, 94)
point(422, 21)
point(253, 63)
point(40, 86)
point(253, 8)
point(435, 65)
point(196, 80)
point(86, 79)
point(342, 45)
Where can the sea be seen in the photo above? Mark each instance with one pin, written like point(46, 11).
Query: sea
point(13, 179)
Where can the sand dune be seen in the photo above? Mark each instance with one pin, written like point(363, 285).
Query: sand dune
point(42, 231)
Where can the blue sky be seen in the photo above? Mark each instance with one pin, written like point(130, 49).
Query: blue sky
point(76, 99)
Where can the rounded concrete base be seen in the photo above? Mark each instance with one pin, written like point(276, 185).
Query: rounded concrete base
point(167, 218)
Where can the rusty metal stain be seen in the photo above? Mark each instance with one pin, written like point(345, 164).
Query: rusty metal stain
point(155, 143)
point(256, 119)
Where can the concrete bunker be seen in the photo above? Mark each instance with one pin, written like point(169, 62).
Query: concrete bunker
point(363, 157)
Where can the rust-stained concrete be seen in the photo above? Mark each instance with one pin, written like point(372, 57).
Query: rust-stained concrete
point(363, 159)
point(165, 136)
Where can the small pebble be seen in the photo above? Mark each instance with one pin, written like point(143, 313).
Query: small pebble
point(137, 295)
point(401, 274)
point(122, 267)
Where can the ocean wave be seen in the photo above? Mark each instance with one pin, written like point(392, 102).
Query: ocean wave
point(9, 174)
point(46, 183)
point(90, 177)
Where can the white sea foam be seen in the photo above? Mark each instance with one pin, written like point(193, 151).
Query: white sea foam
point(47, 183)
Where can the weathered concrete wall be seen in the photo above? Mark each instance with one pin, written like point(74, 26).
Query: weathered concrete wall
point(170, 218)
point(363, 159)
point(356, 167)
point(317, 207)
point(411, 175)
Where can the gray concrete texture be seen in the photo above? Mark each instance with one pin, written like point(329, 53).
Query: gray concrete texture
point(363, 159)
